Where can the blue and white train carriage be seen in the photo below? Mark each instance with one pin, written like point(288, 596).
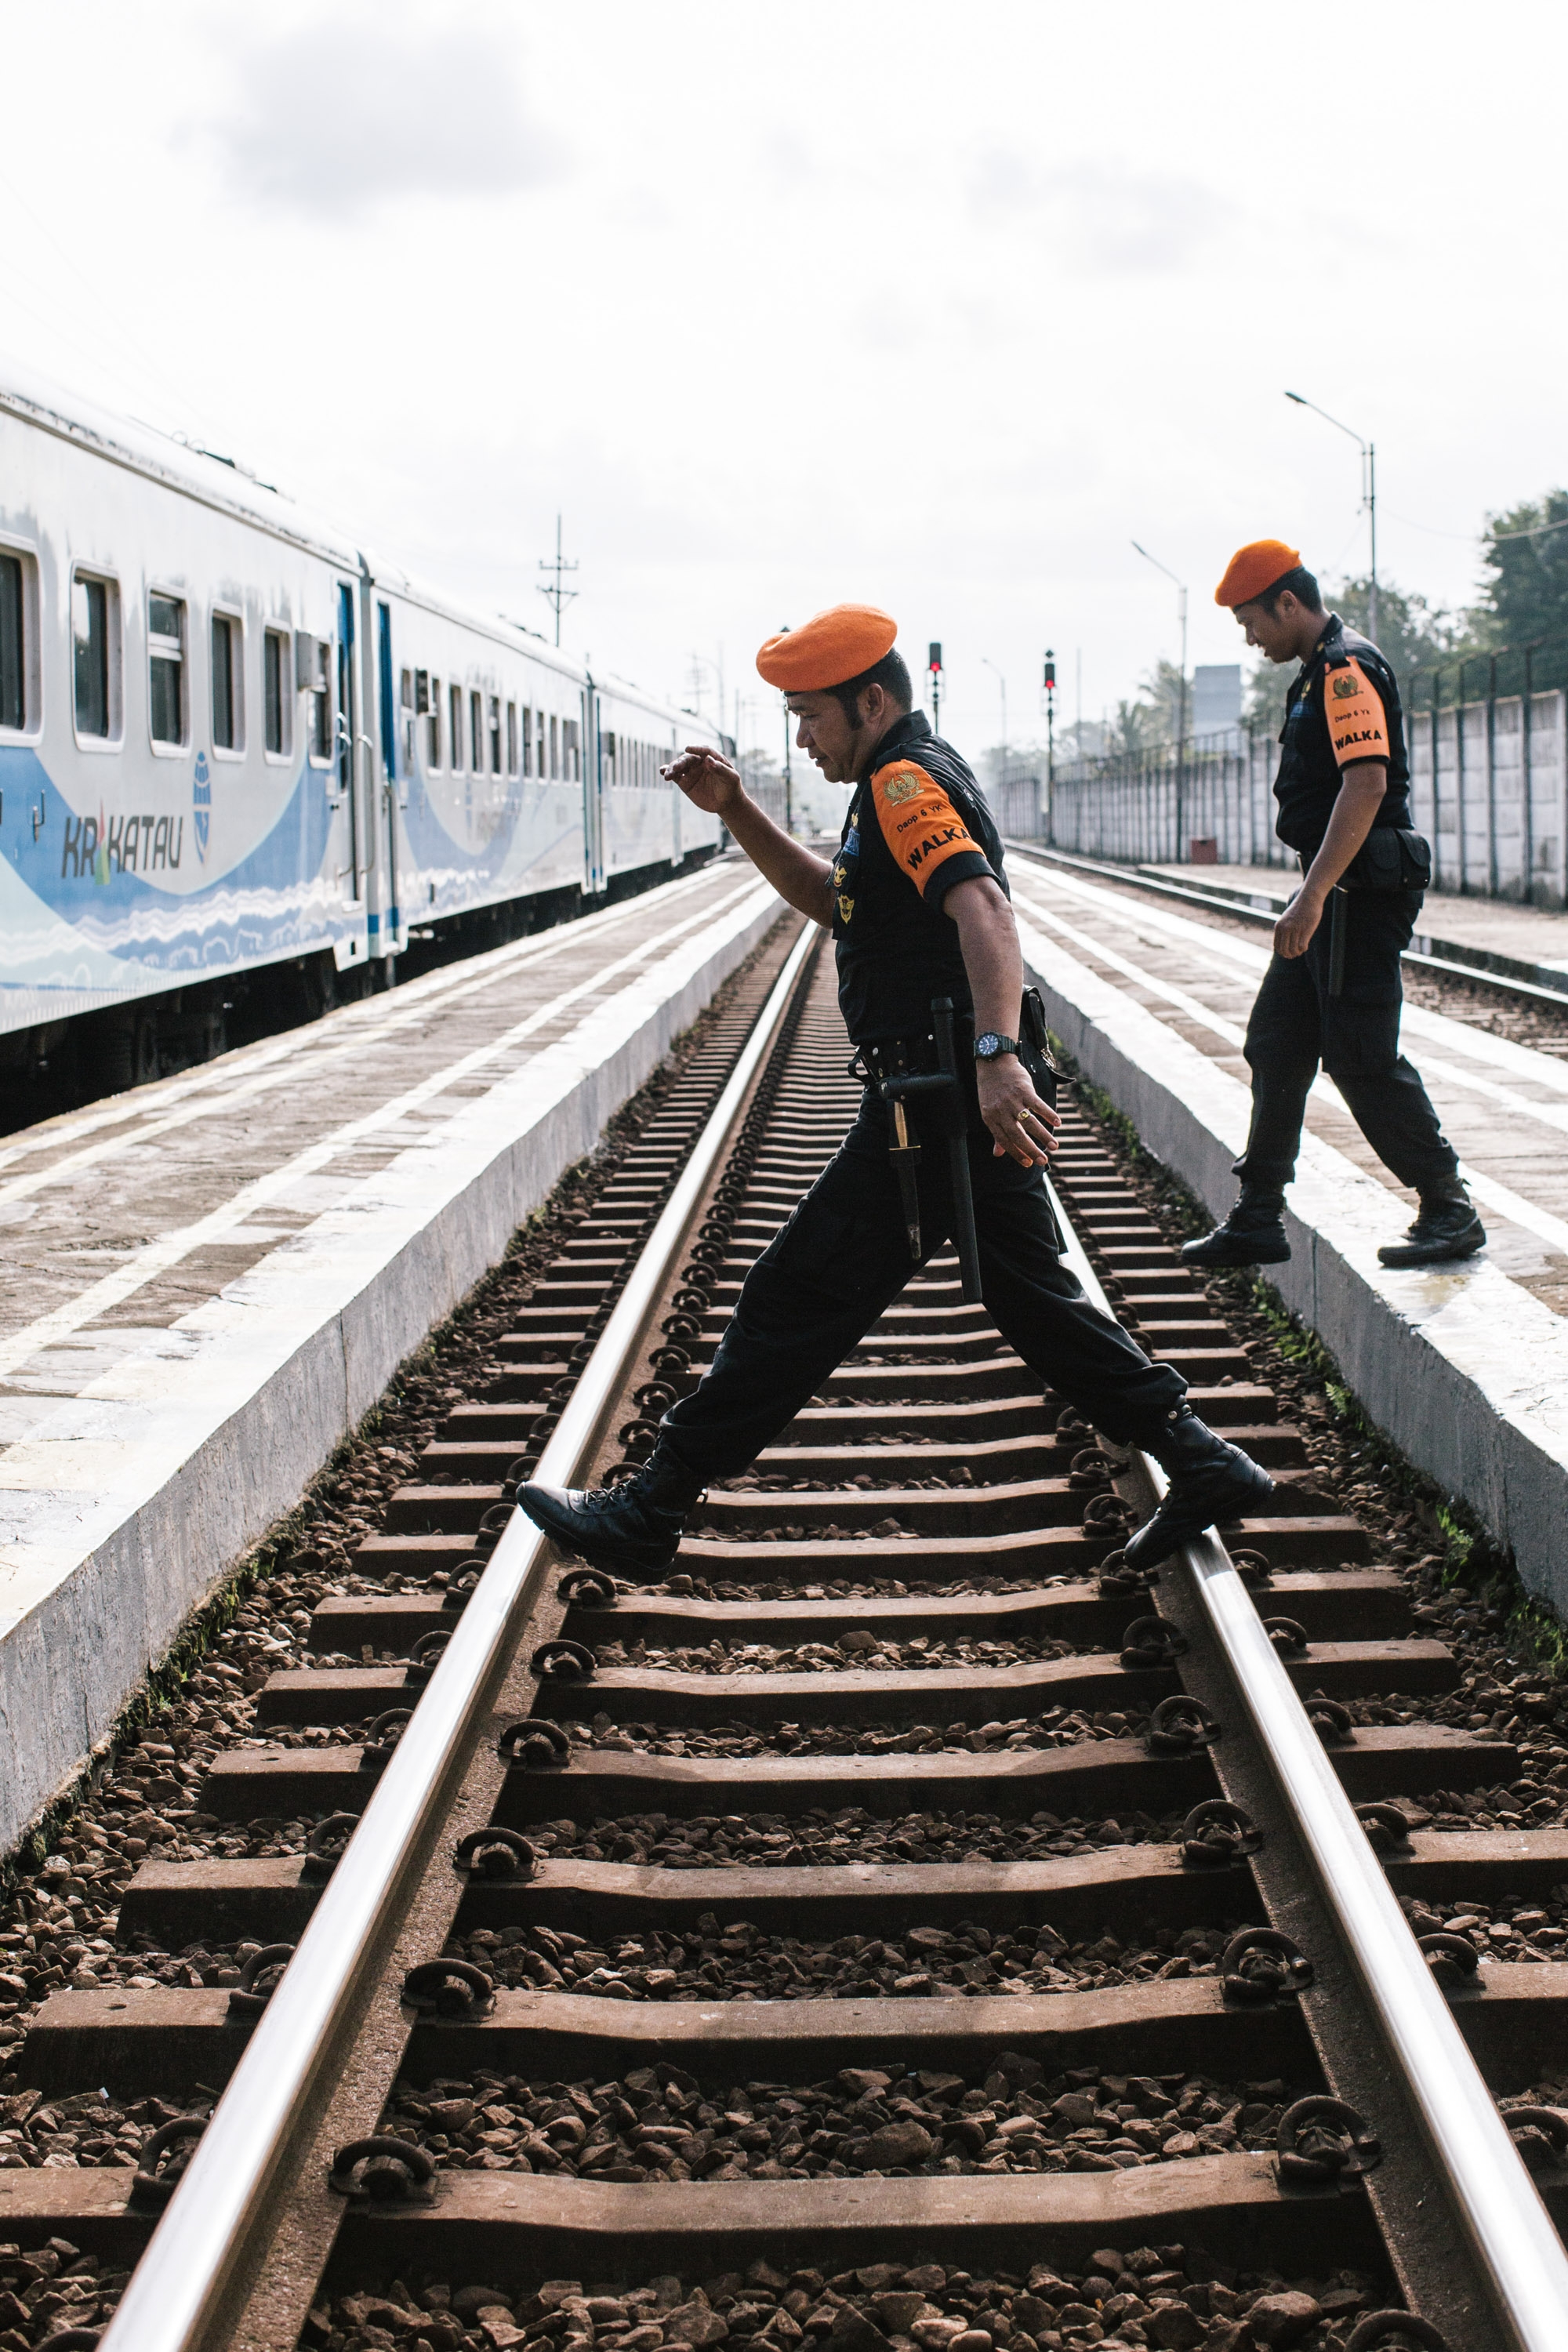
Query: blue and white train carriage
point(238, 755)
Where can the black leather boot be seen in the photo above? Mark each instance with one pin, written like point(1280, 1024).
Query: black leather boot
point(636, 1527)
point(1210, 1481)
point(1253, 1234)
point(1446, 1227)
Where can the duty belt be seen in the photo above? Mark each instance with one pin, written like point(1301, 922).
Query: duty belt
point(925, 1069)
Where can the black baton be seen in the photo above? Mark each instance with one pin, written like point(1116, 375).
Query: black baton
point(964, 1235)
point(1336, 941)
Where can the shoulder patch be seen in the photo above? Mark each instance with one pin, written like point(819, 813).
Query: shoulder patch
point(1358, 724)
point(918, 820)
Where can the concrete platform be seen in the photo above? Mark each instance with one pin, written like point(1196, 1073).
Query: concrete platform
point(1465, 1367)
point(207, 1282)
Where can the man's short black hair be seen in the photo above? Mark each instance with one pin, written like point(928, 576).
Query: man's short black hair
point(1303, 586)
point(891, 673)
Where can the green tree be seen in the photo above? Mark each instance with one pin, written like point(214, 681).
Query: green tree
point(1137, 727)
point(1162, 691)
point(1524, 556)
point(1412, 634)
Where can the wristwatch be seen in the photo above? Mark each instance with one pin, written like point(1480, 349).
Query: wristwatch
point(988, 1045)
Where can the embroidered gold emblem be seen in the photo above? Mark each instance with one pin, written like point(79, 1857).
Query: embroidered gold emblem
point(846, 908)
point(1343, 684)
point(903, 788)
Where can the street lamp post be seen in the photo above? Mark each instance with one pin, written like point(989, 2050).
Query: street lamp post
point(1368, 493)
point(1181, 698)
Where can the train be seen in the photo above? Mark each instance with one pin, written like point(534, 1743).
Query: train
point(248, 768)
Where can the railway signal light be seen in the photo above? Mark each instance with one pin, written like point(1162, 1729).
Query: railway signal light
point(1051, 671)
point(933, 661)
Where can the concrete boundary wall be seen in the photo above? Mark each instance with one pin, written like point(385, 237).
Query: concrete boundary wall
point(1465, 1370)
point(242, 1401)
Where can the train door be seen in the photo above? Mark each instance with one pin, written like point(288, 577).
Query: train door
point(393, 794)
point(345, 729)
point(592, 798)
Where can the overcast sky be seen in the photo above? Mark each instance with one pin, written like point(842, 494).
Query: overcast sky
point(934, 306)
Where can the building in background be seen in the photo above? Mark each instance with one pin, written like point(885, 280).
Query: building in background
point(1217, 705)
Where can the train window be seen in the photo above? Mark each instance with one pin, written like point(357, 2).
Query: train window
point(511, 767)
point(278, 708)
point(538, 767)
point(526, 741)
point(477, 734)
point(407, 702)
point(495, 734)
point(12, 645)
point(322, 718)
point(427, 706)
point(456, 730)
point(228, 683)
point(555, 748)
point(607, 748)
point(91, 614)
point(166, 669)
point(312, 659)
point(571, 749)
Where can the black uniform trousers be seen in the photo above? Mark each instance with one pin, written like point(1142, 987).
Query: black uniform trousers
point(843, 1256)
point(1296, 1024)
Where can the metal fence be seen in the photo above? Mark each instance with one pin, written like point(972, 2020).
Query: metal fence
point(1487, 739)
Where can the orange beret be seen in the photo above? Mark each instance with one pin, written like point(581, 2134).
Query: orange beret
point(1253, 570)
point(828, 648)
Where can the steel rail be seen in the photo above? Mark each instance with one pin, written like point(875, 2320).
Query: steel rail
point(176, 2287)
point(1134, 878)
point(1514, 2237)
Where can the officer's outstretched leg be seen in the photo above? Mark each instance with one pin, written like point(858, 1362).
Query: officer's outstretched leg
point(811, 1296)
point(1282, 1043)
point(1039, 1307)
point(1384, 1091)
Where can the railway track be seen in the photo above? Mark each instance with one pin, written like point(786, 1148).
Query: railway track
point(890, 1927)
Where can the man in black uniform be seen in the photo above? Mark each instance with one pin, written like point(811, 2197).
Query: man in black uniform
point(1334, 991)
point(917, 901)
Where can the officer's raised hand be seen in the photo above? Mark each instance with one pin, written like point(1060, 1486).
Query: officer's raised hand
point(708, 779)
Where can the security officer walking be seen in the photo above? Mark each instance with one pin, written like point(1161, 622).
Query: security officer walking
point(1332, 993)
point(917, 902)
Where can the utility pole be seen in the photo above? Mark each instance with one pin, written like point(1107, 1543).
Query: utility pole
point(1003, 684)
point(1182, 699)
point(556, 594)
point(1368, 494)
point(1050, 690)
point(933, 671)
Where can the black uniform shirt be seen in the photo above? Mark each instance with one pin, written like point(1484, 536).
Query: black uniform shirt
point(1344, 706)
point(916, 826)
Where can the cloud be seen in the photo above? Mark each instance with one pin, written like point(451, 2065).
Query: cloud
point(335, 117)
point(1104, 221)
